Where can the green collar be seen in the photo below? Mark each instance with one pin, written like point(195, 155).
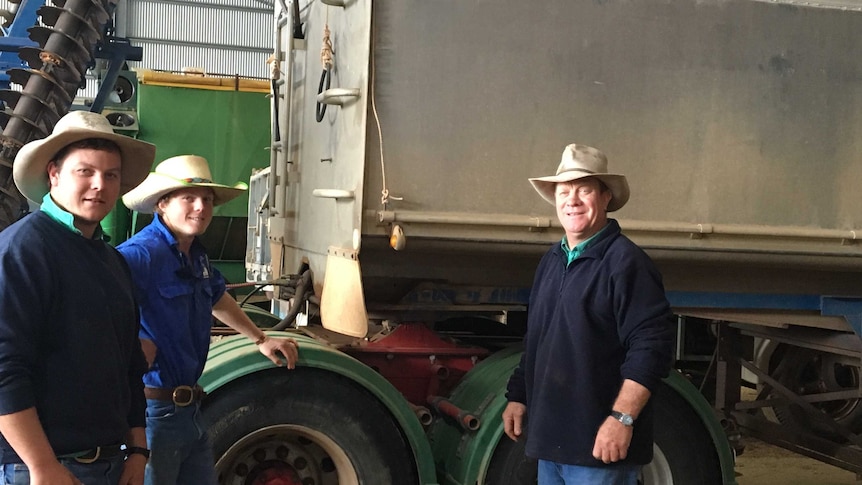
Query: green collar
point(66, 219)
point(577, 251)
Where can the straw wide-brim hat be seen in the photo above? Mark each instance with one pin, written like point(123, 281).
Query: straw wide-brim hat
point(180, 172)
point(581, 161)
point(30, 168)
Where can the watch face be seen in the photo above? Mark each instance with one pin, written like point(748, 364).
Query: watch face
point(624, 418)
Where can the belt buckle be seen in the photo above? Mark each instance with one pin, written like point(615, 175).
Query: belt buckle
point(90, 459)
point(175, 396)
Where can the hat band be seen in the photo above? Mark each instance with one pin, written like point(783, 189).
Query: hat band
point(577, 169)
point(196, 180)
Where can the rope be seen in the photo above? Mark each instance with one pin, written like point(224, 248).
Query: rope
point(384, 194)
point(326, 49)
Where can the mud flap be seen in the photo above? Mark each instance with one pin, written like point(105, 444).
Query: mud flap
point(342, 302)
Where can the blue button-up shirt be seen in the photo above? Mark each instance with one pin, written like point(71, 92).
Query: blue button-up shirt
point(176, 295)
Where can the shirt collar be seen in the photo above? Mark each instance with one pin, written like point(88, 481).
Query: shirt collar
point(163, 229)
point(169, 236)
point(66, 219)
point(577, 251)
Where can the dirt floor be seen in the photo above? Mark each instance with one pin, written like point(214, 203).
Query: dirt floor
point(764, 464)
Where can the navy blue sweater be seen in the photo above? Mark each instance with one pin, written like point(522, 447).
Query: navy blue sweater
point(68, 336)
point(601, 320)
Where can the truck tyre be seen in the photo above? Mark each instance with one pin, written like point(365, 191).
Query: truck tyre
point(809, 371)
point(683, 453)
point(304, 426)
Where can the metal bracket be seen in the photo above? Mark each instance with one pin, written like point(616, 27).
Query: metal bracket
point(338, 96)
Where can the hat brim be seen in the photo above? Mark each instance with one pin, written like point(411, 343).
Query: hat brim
point(618, 185)
point(30, 168)
point(145, 196)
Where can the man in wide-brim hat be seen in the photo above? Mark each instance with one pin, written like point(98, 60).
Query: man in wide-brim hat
point(71, 396)
point(181, 292)
point(599, 336)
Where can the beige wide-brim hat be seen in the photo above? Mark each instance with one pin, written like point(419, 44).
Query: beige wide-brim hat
point(30, 168)
point(581, 161)
point(180, 172)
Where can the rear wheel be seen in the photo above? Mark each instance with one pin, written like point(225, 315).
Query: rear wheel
point(304, 427)
point(683, 452)
point(808, 372)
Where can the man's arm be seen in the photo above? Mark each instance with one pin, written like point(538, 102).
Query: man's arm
point(613, 438)
point(513, 419)
point(24, 433)
point(228, 311)
point(133, 467)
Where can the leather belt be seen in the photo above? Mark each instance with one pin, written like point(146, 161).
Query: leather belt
point(181, 395)
point(95, 454)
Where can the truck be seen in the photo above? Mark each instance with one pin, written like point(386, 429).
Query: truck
point(395, 227)
point(394, 233)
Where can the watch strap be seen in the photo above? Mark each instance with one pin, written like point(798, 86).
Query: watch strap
point(625, 419)
point(137, 450)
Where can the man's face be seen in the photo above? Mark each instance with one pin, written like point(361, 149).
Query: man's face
point(86, 184)
point(581, 208)
point(187, 212)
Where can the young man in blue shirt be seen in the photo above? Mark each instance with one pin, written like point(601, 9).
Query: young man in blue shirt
point(599, 337)
point(179, 293)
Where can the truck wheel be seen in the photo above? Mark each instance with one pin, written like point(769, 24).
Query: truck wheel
point(304, 426)
point(683, 452)
point(810, 372)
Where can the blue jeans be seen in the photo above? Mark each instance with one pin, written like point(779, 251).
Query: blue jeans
point(101, 472)
point(551, 473)
point(181, 453)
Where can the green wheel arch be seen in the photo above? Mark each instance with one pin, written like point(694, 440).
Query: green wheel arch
point(701, 406)
point(463, 458)
point(234, 357)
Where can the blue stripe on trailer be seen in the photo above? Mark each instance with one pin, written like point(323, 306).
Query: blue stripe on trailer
point(751, 301)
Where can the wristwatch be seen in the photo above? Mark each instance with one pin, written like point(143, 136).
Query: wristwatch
point(624, 418)
point(137, 450)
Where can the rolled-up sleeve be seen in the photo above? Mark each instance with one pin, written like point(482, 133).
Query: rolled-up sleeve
point(645, 322)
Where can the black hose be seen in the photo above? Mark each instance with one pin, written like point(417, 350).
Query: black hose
point(256, 289)
point(299, 298)
point(325, 78)
point(276, 129)
point(297, 25)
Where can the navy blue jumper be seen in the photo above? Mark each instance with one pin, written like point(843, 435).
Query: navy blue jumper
point(68, 336)
point(600, 320)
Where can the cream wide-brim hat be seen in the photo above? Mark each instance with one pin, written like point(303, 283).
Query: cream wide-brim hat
point(180, 172)
point(30, 168)
point(581, 161)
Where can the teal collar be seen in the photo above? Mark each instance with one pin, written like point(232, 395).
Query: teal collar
point(577, 251)
point(66, 219)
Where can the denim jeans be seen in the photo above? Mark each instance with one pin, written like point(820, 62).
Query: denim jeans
point(101, 472)
point(551, 473)
point(180, 452)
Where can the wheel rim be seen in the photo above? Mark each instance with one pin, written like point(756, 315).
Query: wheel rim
point(286, 455)
point(658, 471)
point(826, 372)
point(812, 372)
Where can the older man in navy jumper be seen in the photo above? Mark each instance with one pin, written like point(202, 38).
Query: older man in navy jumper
point(599, 337)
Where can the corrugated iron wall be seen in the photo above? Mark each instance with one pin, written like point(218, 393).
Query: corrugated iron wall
point(218, 36)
